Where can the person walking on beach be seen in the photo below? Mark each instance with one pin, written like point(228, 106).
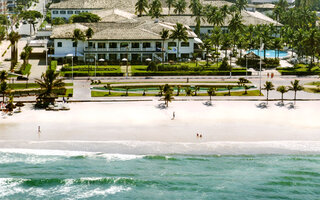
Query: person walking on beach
point(173, 115)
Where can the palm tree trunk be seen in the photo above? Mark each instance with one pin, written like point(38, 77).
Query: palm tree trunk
point(210, 97)
point(282, 97)
point(178, 50)
point(267, 96)
point(163, 52)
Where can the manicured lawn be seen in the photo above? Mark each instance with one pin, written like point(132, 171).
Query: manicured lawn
point(18, 86)
point(117, 94)
point(167, 81)
point(85, 70)
point(313, 83)
point(68, 91)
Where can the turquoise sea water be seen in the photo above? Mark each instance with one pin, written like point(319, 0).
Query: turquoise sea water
point(41, 174)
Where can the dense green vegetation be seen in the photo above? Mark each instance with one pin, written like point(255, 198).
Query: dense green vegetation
point(89, 70)
point(300, 69)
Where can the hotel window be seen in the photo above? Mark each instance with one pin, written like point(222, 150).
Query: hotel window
point(55, 12)
point(135, 45)
point(172, 44)
point(76, 12)
point(101, 45)
point(185, 44)
point(112, 56)
point(124, 44)
point(101, 56)
point(146, 45)
point(59, 44)
point(158, 45)
point(62, 12)
point(70, 12)
point(113, 45)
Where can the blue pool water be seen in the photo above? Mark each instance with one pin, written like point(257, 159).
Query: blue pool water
point(269, 53)
point(65, 175)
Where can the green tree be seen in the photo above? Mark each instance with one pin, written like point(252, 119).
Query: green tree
point(164, 35)
point(161, 90)
point(196, 9)
point(31, 16)
point(241, 5)
point(3, 89)
point(196, 89)
point(268, 86)
point(170, 3)
point(229, 87)
point(89, 33)
point(58, 21)
point(180, 7)
point(3, 76)
point(155, 9)
point(179, 33)
point(235, 23)
point(211, 92)
point(224, 10)
point(141, 7)
point(48, 82)
point(178, 89)
point(78, 35)
point(295, 86)
point(84, 17)
point(14, 38)
point(168, 97)
point(188, 91)
point(277, 45)
point(3, 33)
point(25, 54)
point(282, 89)
point(207, 46)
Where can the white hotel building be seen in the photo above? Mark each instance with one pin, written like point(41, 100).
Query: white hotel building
point(112, 41)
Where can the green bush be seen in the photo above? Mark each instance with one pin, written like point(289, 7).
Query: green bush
point(84, 73)
point(182, 73)
point(53, 65)
point(268, 63)
point(224, 65)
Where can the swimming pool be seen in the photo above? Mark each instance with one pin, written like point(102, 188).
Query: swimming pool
point(269, 53)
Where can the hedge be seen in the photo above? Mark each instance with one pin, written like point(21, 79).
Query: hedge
point(183, 73)
point(84, 73)
point(298, 73)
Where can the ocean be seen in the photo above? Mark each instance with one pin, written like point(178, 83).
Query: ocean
point(63, 174)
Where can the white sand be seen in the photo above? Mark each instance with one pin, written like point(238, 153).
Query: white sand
point(143, 121)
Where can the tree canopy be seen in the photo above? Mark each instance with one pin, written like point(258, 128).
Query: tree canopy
point(85, 17)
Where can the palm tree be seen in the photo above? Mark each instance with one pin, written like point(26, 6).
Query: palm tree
point(178, 90)
point(188, 91)
point(3, 76)
point(241, 5)
point(179, 33)
point(226, 44)
point(127, 90)
point(268, 86)
point(109, 88)
point(295, 86)
point(235, 23)
point(282, 89)
point(141, 7)
point(196, 89)
point(196, 9)
point(27, 50)
point(49, 81)
point(155, 9)
point(89, 33)
point(229, 87)
point(277, 45)
point(77, 35)
point(170, 3)
point(211, 92)
point(164, 35)
point(246, 87)
point(168, 97)
point(167, 88)
point(3, 89)
point(180, 7)
point(207, 46)
point(216, 37)
point(224, 10)
point(14, 38)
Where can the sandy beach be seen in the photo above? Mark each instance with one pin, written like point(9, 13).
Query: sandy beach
point(138, 125)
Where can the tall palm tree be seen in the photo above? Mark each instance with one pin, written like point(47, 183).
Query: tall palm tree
point(170, 3)
point(164, 35)
point(168, 97)
point(282, 89)
point(224, 10)
point(3, 89)
point(180, 7)
point(48, 82)
point(188, 91)
point(295, 86)
point(14, 38)
point(78, 35)
point(178, 89)
point(179, 33)
point(207, 46)
point(268, 86)
point(226, 43)
point(229, 87)
point(196, 89)
point(241, 5)
point(155, 9)
point(196, 9)
point(211, 92)
point(277, 45)
point(141, 7)
point(235, 23)
point(216, 38)
point(27, 50)
point(89, 33)
point(3, 76)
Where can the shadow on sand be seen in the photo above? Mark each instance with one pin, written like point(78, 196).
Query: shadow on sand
point(161, 106)
point(208, 103)
point(262, 105)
